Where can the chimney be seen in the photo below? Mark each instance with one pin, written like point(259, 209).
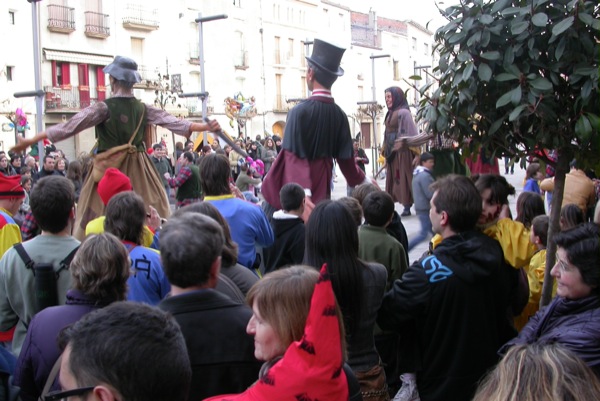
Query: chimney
point(373, 19)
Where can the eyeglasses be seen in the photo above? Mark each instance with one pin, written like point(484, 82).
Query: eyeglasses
point(64, 395)
point(564, 266)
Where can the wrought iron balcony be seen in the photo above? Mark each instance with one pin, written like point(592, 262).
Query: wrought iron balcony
point(194, 107)
point(61, 19)
point(281, 104)
point(96, 25)
point(240, 60)
point(194, 54)
point(140, 18)
point(63, 100)
point(150, 75)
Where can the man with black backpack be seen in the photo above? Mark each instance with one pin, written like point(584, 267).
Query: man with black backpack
point(26, 288)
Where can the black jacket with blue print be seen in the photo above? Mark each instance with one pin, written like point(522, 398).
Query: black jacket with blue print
point(457, 297)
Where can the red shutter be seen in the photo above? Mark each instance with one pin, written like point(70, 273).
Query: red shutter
point(53, 73)
point(66, 75)
point(101, 83)
point(84, 78)
point(84, 88)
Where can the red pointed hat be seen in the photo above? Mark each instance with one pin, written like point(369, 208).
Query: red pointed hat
point(312, 368)
point(10, 187)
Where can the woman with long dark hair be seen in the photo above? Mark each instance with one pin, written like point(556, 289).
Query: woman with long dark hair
point(75, 174)
point(270, 154)
point(332, 239)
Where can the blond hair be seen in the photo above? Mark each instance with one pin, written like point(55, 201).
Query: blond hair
point(283, 300)
point(540, 372)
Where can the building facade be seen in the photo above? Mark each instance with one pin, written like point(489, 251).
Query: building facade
point(256, 54)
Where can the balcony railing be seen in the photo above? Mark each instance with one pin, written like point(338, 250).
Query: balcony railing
point(140, 18)
point(148, 73)
point(194, 54)
point(96, 25)
point(194, 107)
point(61, 19)
point(59, 100)
point(240, 61)
point(281, 105)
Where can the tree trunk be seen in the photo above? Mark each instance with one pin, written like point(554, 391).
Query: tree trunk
point(562, 168)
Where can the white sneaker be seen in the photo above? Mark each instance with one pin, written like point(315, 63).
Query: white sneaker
point(408, 391)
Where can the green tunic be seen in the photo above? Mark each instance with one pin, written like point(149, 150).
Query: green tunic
point(125, 114)
point(190, 189)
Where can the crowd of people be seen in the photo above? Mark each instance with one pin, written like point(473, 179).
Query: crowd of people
point(298, 297)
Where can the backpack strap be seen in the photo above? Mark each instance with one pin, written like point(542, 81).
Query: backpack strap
point(24, 256)
point(29, 264)
point(66, 262)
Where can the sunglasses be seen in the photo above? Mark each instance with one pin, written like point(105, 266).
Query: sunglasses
point(64, 395)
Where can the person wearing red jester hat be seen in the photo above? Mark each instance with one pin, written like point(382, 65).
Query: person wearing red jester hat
point(303, 351)
point(12, 195)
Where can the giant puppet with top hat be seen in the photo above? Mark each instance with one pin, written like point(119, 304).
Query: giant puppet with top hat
point(120, 124)
point(316, 132)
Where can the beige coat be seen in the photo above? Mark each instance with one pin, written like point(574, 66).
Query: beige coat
point(579, 189)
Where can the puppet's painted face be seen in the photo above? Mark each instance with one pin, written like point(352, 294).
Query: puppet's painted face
point(389, 99)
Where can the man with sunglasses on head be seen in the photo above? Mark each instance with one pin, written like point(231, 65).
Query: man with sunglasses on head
point(125, 352)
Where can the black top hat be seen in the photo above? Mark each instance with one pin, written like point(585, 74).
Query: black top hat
point(123, 69)
point(327, 57)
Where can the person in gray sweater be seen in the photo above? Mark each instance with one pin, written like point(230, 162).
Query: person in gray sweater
point(422, 179)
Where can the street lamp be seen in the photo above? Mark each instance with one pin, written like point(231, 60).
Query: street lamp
point(200, 20)
point(38, 93)
point(415, 69)
point(307, 44)
point(374, 149)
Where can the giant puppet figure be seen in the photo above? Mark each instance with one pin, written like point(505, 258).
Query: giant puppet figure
point(117, 121)
point(316, 132)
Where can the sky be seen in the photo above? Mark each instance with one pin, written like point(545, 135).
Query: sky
point(421, 11)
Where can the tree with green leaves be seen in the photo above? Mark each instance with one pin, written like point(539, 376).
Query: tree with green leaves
point(517, 78)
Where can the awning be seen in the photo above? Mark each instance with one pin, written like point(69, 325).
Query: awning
point(78, 57)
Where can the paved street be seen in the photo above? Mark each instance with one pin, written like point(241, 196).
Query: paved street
point(411, 223)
